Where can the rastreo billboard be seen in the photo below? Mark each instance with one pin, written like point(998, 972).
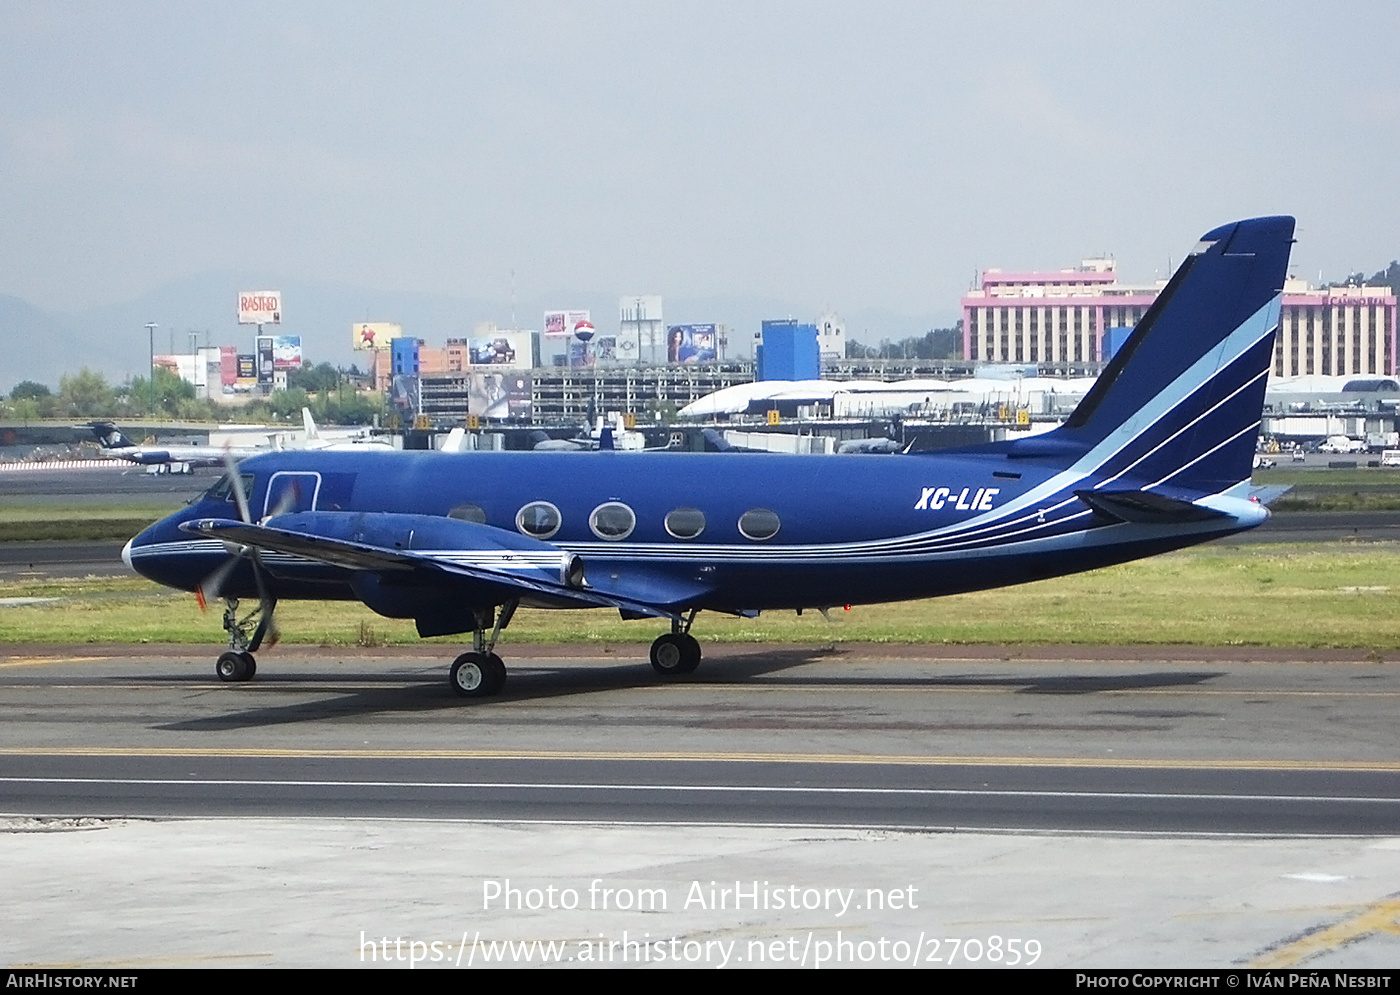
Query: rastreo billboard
point(260, 307)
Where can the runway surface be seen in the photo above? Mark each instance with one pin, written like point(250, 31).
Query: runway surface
point(856, 737)
point(785, 806)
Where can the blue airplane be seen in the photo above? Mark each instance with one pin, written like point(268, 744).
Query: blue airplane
point(1157, 456)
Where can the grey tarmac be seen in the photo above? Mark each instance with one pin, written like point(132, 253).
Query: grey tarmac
point(1122, 808)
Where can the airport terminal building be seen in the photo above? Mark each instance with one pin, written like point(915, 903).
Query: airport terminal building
point(1080, 315)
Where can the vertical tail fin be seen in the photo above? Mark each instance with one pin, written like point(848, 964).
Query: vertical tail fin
point(1179, 406)
point(110, 436)
point(309, 425)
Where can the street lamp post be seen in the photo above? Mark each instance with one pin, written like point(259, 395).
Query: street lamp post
point(151, 328)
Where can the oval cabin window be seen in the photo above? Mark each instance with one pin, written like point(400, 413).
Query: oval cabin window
point(759, 524)
point(538, 520)
point(685, 523)
point(469, 513)
point(612, 521)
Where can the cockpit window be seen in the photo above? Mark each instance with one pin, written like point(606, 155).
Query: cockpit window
point(223, 490)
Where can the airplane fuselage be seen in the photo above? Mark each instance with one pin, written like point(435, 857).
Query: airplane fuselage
point(730, 532)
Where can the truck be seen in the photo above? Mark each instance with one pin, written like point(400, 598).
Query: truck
point(1342, 444)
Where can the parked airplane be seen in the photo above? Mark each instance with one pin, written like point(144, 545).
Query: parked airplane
point(1157, 456)
point(115, 444)
point(183, 458)
point(356, 441)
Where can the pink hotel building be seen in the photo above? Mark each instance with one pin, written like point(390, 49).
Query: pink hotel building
point(1062, 317)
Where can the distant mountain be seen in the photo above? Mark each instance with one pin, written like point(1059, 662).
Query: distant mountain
point(41, 346)
point(113, 339)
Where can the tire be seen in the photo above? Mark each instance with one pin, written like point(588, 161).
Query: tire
point(675, 653)
point(475, 675)
point(234, 668)
point(496, 669)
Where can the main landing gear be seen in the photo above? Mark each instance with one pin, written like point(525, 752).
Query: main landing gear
point(481, 673)
point(237, 665)
point(676, 652)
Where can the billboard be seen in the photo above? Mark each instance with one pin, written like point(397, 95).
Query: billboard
point(260, 307)
point(561, 324)
point(286, 352)
point(228, 365)
point(374, 334)
point(500, 395)
point(509, 350)
point(247, 368)
point(265, 360)
point(406, 397)
point(692, 344)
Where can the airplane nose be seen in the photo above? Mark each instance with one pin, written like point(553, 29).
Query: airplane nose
point(126, 556)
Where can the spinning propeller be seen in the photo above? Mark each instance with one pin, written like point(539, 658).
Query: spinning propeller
point(211, 587)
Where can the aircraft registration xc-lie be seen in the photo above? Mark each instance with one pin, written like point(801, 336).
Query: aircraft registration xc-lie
point(1157, 456)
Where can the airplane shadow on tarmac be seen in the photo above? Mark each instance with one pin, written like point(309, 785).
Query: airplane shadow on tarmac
point(428, 692)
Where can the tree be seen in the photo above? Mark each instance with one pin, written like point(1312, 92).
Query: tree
point(85, 394)
point(322, 376)
point(161, 394)
point(28, 390)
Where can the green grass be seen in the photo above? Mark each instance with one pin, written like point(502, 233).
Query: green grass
point(1288, 595)
point(76, 522)
point(1362, 489)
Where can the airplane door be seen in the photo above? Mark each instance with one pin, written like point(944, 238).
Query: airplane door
point(291, 491)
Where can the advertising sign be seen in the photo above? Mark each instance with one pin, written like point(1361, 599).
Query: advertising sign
point(374, 334)
point(499, 350)
point(228, 365)
point(605, 350)
point(286, 352)
point(406, 397)
point(561, 324)
point(580, 353)
point(265, 361)
point(499, 395)
point(260, 307)
point(692, 344)
point(247, 367)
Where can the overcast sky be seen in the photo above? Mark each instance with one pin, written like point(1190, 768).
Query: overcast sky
point(843, 154)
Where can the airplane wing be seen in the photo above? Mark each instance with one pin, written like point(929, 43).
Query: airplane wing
point(520, 568)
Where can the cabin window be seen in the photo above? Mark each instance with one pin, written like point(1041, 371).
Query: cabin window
point(685, 523)
point(759, 524)
point(469, 513)
point(612, 521)
point(538, 520)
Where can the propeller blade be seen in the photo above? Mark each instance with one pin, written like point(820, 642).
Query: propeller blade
point(210, 587)
point(236, 483)
point(284, 505)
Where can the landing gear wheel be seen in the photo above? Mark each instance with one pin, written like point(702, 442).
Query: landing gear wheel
point(675, 653)
point(477, 675)
point(498, 670)
point(234, 668)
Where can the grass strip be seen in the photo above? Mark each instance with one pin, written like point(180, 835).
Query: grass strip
point(1303, 595)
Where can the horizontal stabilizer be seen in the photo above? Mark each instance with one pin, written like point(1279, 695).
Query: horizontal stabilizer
point(1146, 507)
point(1269, 494)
